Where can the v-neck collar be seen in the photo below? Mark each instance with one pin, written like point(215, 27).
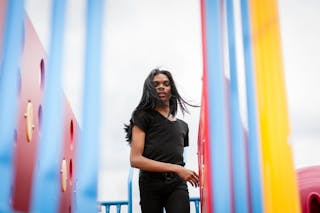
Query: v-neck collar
point(171, 121)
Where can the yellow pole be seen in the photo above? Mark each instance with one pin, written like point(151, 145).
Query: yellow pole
point(278, 172)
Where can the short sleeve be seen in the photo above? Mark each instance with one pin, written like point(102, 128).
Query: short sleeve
point(141, 119)
point(186, 138)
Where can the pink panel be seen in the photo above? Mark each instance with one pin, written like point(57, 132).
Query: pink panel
point(309, 187)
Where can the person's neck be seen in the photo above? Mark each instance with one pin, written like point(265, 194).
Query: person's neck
point(165, 110)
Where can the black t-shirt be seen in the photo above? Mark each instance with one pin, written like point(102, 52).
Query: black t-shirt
point(165, 140)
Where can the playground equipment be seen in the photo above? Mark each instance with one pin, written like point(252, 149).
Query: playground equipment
point(242, 168)
point(309, 187)
point(22, 143)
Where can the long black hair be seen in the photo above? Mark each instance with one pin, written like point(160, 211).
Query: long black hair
point(150, 98)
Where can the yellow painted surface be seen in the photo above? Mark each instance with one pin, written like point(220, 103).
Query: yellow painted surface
point(280, 190)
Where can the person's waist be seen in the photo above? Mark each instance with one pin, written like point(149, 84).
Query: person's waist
point(158, 175)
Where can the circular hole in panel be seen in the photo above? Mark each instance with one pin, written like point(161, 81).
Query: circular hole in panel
point(40, 116)
point(42, 74)
point(314, 203)
point(70, 172)
point(71, 134)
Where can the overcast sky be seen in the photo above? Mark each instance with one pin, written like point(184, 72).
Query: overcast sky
point(142, 34)
point(300, 28)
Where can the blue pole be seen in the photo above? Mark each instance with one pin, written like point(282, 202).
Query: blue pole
point(253, 128)
point(46, 180)
point(219, 148)
point(237, 135)
point(130, 190)
point(87, 150)
point(9, 75)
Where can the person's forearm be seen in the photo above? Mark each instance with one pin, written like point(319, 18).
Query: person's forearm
point(147, 164)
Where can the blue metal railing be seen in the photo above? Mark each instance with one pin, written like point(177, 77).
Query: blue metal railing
point(120, 203)
point(196, 201)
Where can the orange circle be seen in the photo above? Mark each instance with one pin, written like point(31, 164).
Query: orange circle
point(64, 177)
point(29, 121)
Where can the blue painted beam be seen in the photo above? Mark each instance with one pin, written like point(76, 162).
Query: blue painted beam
point(254, 151)
point(219, 143)
point(46, 180)
point(9, 75)
point(239, 168)
point(87, 155)
point(130, 190)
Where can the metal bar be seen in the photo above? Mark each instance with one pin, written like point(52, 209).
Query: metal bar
point(196, 201)
point(219, 143)
point(46, 179)
point(114, 203)
point(239, 167)
point(130, 190)
point(253, 141)
point(118, 208)
point(196, 206)
point(9, 74)
point(88, 146)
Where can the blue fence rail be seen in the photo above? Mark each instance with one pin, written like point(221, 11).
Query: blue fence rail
point(128, 203)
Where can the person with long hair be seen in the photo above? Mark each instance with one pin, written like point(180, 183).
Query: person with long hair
point(157, 140)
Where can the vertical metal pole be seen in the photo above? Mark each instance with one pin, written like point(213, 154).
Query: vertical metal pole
point(130, 190)
point(46, 180)
point(9, 74)
point(253, 128)
point(196, 205)
point(239, 167)
point(220, 165)
point(87, 150)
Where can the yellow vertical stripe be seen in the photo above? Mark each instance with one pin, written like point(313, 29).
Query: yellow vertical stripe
point(278, 172)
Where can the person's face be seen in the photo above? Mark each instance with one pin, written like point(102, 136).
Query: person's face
point(163, 88)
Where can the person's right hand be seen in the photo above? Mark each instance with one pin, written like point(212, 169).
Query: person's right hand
point(188, 175)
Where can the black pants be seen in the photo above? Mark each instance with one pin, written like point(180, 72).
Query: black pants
point(163, 190)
